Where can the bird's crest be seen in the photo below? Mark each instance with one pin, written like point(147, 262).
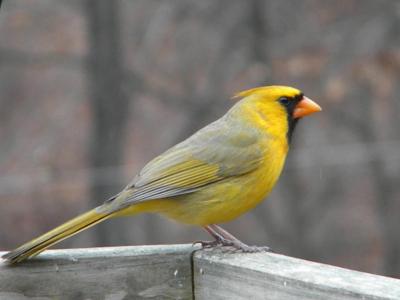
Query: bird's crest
point(268, 90)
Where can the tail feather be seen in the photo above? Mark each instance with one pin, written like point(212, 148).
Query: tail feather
point(37, 245)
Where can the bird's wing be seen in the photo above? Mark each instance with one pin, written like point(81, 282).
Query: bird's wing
point(208, 156)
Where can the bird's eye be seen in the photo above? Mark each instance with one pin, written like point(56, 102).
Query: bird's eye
point(284, 100)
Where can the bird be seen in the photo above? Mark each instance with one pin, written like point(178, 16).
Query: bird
point(220, 172)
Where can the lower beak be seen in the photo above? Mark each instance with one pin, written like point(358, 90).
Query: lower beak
point(305, 107)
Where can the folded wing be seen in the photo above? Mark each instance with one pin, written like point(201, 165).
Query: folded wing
point(209, 156)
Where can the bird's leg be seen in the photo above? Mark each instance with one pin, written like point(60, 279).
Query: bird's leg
point(224, 238)
point(219, 240)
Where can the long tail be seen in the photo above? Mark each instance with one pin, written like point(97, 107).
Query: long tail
point(56, 235)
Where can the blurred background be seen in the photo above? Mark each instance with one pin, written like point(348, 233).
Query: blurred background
point(91, 90)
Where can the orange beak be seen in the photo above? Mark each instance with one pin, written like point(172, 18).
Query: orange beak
point(305, 107)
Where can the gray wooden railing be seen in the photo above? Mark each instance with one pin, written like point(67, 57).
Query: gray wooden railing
point(184, 272)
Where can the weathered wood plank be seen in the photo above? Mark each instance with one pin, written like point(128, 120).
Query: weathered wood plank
point(165, 272)
point(268, 276)
point(148, 272)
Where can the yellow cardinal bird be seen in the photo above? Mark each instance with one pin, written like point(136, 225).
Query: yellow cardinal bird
point(214, 176)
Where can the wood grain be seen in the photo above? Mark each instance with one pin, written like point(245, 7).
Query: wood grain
point(147, 272)
point(165, 272)
point(269, 276)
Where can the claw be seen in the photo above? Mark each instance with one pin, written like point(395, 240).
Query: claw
point(206, 244)
point(215, 243)
point(252, 249)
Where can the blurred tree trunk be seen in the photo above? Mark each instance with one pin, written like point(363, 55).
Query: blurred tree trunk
point(257, 26)
point(109, 108)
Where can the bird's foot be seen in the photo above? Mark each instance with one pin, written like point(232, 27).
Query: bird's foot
point(232, 246)
point(205, 244)
point(229, 242)
point(215, 243)
point(251, 249)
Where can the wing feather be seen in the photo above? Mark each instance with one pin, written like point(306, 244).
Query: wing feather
point(210, 155)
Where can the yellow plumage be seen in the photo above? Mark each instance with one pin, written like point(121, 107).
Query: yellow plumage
point(214, 176)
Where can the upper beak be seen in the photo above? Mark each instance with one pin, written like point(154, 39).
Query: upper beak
point(305, 107)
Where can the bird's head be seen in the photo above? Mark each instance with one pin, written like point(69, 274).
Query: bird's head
point(280, 106)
